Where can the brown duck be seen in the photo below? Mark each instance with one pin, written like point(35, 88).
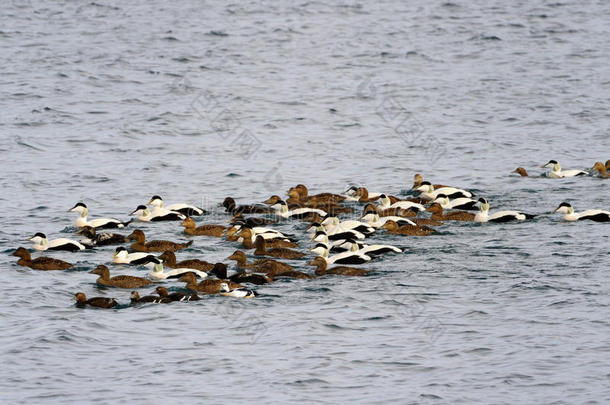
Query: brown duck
point(363, 195)
point(165, 296)
point(141, 245)
point(98, 302)
point(418, 180)
point(136, 299)
point(413, 230)
point(602, 169)
point(118, 281)
point(207, 286)
point(326, 197)
point(322, 270)
point(269, 266)
point(388, 212)
point(191, 228)
point(169, 260)
point(437, 214)
point(426, 221)
point(261, 250)
point(520, 171)
point(40, 263)
point(246, 234)
point(220, 271)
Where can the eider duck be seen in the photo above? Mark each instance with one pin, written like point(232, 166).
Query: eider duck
point(429, 193)
point(261, 250)
point(190, 228)
point(501, 216)
point(294, 201)
point(145, 215)
point(321, 236)
point(251, 222)
point(101, 239)
point(271, 240)
point(121, 256)
point(601, 169)
point(82, 221)
point(140, 244)
point(371, 250)
point(281, 209)
point(42, 243)
point(385, 202)
point(557, 173)
point(389, 212)
point(118, 281)
point(98, 302)
point(326, 197)
point(460, 203)
point(185, 209)
point(207, 286)
point(220, 271)
point(322, 270)
point(437, 214)
point(166, 297)
point(407, 229)
point(159, 273)
point(136, 299)
point(591, 215)
point(236, 292)
point(261, 265)
point(371, 217)
point(333, 225)
point(520, 171)
point(169, 260)
point(418, 180)
point(361, 194)
point(350, 257)
point(40, 263)
point(232, 208)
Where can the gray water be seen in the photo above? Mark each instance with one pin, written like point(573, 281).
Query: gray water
point(110, 102)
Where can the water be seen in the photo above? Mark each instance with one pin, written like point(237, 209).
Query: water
point(111, 102)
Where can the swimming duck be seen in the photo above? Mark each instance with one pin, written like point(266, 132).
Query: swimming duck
point(261, 250)
point(236, 292)
point(121, 256)
point(305, 197)
point(388, 212)
point(220, 271)
point(601, 169)
point(321, 236)
point(591, 215)
point(42, 243)
point(385, 202)
point(169, 260)
point(184, 209)
point(371, 250)
point(160, 274)
point(350, 257)
point(520, 171)
point(437, 214)
point(322, 270)
point(207, 286)
point(40, 263)
point(118, 281)
point(371, 217)
point(294, 201)
point(260, 265)
point(271, 240)
point(557, 173)
point(82, 221)
point(418, 180)
point(281, 209)
point(145, 215)
point(136, 299)
point(251, 222)
point(166, 297)
point(232, 208)
point(140, 244)
point(333, 225)
point(501, 216)
point(101, 239)
point(460, 203)
point(98, 302)
point(408, 229)
point(429, 193)
point(190, 228)
point(361, 194)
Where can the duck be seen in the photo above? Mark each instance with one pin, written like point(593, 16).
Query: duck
point(251, 222)
point(169, 260)
point(269, 266)
point(429, 193)
point(94, 238)
point(520, 171)
point(159, 273)
point(97, 302)
point(136, 299)
point(386, 202)
point(333, 225)
point(607, 164)
point(236, 292)
point(207, 286)
point(371, 250)
point(388, 212)
point(418, 180)
point(323, 270)
point(326, 197)
point(185, 209)
point(275, 199)
point(140, 244)
point(321, 236)
point(121, 256)
point(591, 215)
point(294, 201)
point(261, 250)
point(166, 297)
point(557, 173)
point(501, 216)
point(271, 240)
point(101, 223)
point(190, 228)
point(42, 243)
point(232, 208)
point(437, 214)
point(371, 217)
point(145, 215)
point(413, 230)
point(40, 263)
point(601, 169)
point(220, 271)
point(281, 209)
point(349, 257)
point(360, 194)
point(118, 281)
point(461, 203)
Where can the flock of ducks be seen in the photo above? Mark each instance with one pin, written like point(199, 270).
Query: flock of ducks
point(337, 244)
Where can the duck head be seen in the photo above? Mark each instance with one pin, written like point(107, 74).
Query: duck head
point(564, 208)
point(156, 201)
point(81, 208)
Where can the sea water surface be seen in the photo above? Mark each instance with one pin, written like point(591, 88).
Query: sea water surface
point(109, 102)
